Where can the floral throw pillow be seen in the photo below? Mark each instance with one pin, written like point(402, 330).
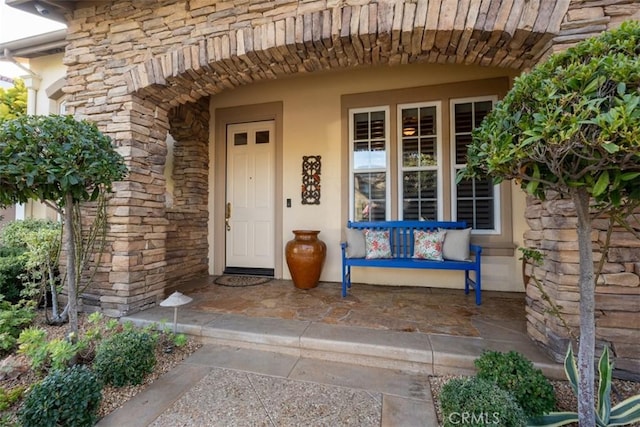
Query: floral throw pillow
point(377, 244)
point(428, 244)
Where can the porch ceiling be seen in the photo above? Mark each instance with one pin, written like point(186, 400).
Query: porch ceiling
point(511, 34)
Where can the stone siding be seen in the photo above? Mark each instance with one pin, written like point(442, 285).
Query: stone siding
point(553, 232)
point(187, 245)
point(586, 19)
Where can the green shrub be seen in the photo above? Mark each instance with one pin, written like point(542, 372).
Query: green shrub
point(516, 374)
point(69, 397)
point(9, 397)
point(33, 344)
point(473, 401)
point(13, 233)
point(46, 354)
point(180, 340)
point(57, 353)
point(36, 244)
point(12, 266)
point(13, 319)
point(125, 357)
point(98, 329)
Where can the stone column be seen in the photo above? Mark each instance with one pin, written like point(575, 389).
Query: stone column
point(137, 217)
point(187, 244)
point(553, 231)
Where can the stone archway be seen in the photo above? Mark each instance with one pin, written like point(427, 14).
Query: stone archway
point(472, 32)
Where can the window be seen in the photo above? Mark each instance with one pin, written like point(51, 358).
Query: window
point(405, 147)
point(420, 165)
point(263, 137)
point(475, 201)
point(420, 159)
point(62, 106)
point(369, 136)
point(241, 138)
point(57, 98)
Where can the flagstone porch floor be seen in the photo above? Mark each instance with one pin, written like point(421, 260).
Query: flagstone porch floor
point(422, 329)
point(397, 308)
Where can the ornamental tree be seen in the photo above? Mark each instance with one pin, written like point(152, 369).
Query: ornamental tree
point(572, 126)
point(13, 101)
point(60, 161)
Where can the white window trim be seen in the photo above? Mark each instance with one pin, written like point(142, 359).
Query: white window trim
point(352, 112)
point(439, 155)
point(61, 105)
point(454, 167)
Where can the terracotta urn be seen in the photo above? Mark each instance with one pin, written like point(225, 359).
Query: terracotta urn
point(305, 256)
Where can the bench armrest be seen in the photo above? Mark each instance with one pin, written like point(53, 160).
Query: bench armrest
point(476, 249)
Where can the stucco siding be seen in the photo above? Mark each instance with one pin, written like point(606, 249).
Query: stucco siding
point(313, 126)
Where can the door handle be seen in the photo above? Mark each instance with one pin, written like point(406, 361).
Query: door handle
point(227, 215)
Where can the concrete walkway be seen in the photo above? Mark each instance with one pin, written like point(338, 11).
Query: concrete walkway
point(279, 372)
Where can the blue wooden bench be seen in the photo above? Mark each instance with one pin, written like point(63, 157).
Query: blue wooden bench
point(401, 238)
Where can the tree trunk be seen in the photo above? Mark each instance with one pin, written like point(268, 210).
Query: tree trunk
point(586, 284)
point(72, 285)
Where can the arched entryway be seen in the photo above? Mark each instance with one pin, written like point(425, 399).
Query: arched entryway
point(167, 89)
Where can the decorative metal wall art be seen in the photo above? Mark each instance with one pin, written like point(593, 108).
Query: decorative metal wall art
point(311, 180)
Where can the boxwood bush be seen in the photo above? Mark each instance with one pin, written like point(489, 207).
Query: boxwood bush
point(126, 357)
point(472, 401)
point(69, 397)
point(516, 374)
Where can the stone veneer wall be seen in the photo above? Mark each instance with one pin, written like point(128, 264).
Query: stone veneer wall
point(187, 245)
point(142, 69)
point(138, 223)
point(553, 232)
point(588, 18)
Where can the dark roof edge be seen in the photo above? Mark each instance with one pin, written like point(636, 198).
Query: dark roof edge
point(34, 46)
point(49, 9)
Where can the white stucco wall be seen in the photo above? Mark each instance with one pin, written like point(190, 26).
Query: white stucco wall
point(312, 126)
point(50, 70)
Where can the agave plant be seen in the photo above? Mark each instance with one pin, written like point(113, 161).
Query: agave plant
point(624, 413)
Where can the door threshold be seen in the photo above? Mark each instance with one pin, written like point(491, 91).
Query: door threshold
point(246, 271)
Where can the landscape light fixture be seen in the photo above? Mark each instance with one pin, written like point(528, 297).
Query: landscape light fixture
point(176, 300)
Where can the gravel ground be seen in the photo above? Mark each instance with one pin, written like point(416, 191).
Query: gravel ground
point(565, 398)
point(14, 371)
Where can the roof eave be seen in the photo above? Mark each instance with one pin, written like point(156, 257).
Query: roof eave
point(35, 46)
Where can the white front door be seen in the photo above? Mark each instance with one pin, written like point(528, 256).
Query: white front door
point(250, 210)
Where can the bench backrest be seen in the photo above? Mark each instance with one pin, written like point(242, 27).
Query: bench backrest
point(401, 232)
